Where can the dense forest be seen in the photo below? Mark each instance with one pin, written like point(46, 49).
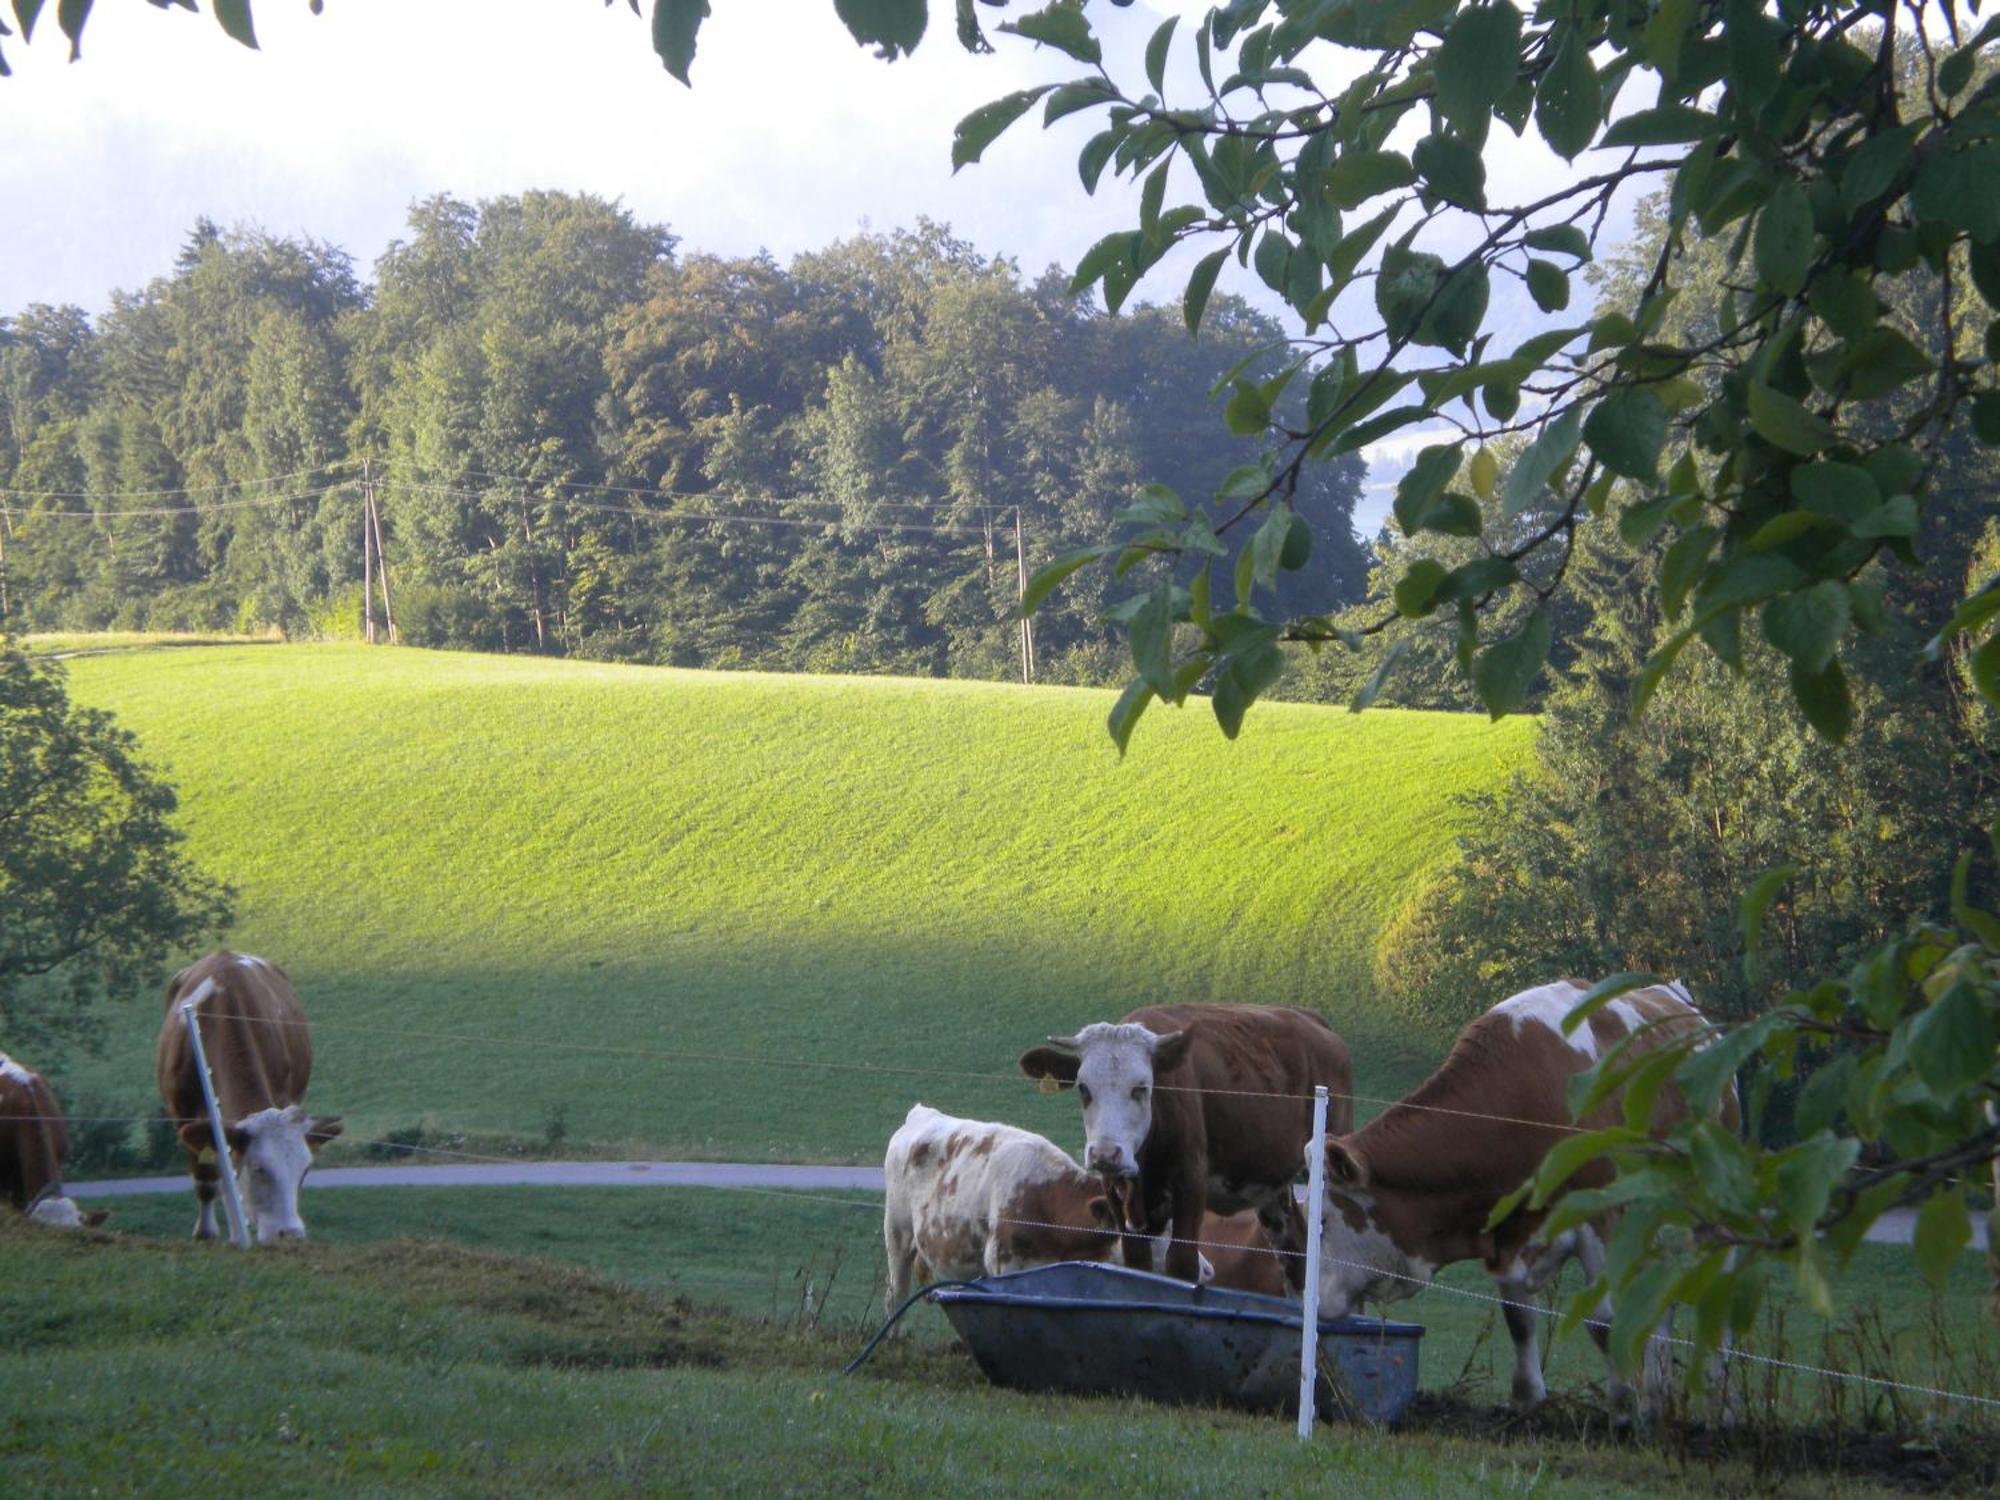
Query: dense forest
point(582, 438)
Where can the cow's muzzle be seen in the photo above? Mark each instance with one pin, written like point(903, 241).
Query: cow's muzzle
point(1111, 1161)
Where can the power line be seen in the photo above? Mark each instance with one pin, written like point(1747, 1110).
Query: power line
point(202, 489)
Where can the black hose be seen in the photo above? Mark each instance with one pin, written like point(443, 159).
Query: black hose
point(883, 1332)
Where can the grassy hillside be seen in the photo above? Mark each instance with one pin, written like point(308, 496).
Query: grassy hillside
point(758, 916)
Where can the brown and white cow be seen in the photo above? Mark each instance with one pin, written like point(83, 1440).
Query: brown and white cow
point(970, 1197)
point(33, 1145)
point(1203, 1106)
point(260, 1056)
point(1411, 1191)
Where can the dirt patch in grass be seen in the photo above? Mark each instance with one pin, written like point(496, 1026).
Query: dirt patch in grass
point(553, 1314)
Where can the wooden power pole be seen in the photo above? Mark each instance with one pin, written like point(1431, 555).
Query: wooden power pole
point(1021, 597)
point(367, 562)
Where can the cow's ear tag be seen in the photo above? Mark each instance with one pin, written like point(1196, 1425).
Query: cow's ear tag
point(1047, 1085)
point(207, 1154)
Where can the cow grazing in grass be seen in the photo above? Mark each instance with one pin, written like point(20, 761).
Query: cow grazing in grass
point(33, 1145)
point(260, 1056)
point(1200, 1107)
point(1411, 1191)
point(968, 1197)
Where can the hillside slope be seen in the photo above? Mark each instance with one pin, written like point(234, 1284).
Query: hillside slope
point(648, 891)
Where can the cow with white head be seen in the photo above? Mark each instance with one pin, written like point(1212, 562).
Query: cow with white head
point(259, 1051)
point(1196, 1107)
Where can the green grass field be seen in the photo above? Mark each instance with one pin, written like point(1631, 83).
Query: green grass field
point(735, 915)
point(422, 1368)
point(786, 1257)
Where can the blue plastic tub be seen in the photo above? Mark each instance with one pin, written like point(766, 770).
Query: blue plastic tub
point(1104, 1330)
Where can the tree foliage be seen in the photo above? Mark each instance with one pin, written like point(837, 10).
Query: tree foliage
point(95, 888)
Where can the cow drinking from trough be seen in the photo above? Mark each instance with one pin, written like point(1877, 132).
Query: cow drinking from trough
point(260, 1057)
point(969, 1197)
point(1412, 1190)
point(33, 1144)
point(1200, 1107)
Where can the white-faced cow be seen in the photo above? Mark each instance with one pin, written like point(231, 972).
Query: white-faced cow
point(969, 1197)
point(1411, 1191)
point(1203, 1106)
point(260, 1056)
point(33, 1145)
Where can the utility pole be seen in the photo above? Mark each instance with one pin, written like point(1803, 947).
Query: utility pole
point(6, 530)
point(382, 560)
point(367, 561)
point(1021, 597)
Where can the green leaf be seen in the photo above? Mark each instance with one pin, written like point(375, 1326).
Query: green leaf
point(1807, 626)
point(235, 18)
point(1756, 905)
point(1880, 360)
point(1416, 590)
point(1570, 1155)
point(1361, 175)
point(983, 126)
point(1476, 579)
point(1427, 477)
point(1602, 994)
point(1943, 1231)
point(892, 27)
point(675, 23)
point(1954, 188)
point(1405, 287)
point(1569, 100)
point(1985, 264)
point(1240, 683)
point(1297, 550)
point(1807, 1175)
point(1069, 98)
point(1783, 246)
point(1507, 669)
point(1249, 411)
point(1874, 167)
point(1200, 283)
point(1372, 688)
point(1125, 712)
point(1843, 491)
point(1548, 284)
point(1051, 573)
point(1626, 430)
point(1156, 54)
point(1153, 639)
point(1539, 462)
point(1785, 423)
point(1822, 698)
point(1951, 1042)
point(1476, 62)
point(1451, 169)
point(1845, 303)
point(1665, 125)
point(1460, 308)
point(1484, 473)
point(1562, 239)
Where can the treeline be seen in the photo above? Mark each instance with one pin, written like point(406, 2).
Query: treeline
point(583, 439)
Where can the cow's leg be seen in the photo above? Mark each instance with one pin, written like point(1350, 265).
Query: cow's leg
point(1184, 1255)
point(202, 1168)
point(899, 1252)
point(1590, 1251)
point(1516, 1288)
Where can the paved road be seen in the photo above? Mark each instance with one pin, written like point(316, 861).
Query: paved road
point(1893, 1228)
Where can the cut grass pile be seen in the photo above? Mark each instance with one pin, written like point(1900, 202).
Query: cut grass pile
point(711, 914)
point(420, 1368)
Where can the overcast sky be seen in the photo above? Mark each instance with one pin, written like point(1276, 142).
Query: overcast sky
point(791, 137)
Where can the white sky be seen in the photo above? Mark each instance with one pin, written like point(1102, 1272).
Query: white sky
point(792, 136)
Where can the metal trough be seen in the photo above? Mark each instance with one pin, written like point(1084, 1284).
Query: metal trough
point(1104, 1330)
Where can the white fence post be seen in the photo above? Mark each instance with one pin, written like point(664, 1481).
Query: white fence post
point(1315, 1209)
point(239, 1234)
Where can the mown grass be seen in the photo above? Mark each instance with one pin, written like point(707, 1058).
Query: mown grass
point(420, 1368)
point(731, 915)
point(69, 643)
point(816, 1259)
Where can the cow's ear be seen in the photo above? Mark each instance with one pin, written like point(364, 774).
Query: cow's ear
point(1101, 1212)
point(1170, 1050)
point(319, 1132)
point(92, 1218)
point(238, 1136)
point(196, 1136)
point(1050, 1062)
point(1345, 1166)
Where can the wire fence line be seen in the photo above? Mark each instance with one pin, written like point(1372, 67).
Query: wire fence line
point(747, 1060)
point(1417, 1283)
